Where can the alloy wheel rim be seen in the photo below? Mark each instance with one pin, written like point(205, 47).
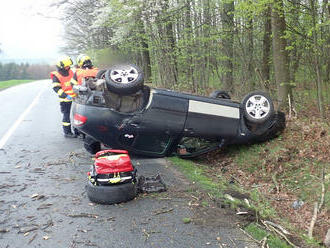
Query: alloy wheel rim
point(257, 107)
point(124, 76)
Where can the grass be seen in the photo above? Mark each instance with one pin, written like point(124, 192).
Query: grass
point(196, 174)
point(259, 233)
point(7, 84)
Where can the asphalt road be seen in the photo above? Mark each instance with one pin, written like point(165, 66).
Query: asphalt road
point(43, 202)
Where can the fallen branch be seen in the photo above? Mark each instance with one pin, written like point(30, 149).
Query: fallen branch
point(255, 240)
point(277, 226)
point(311, 226)
point(323, 189)
point(83, 215)
point(28, 230)
point(264, 242)
point(163, 211)
point(273, 229)
point(276, 184)
point(146, 234)
point(31, 239)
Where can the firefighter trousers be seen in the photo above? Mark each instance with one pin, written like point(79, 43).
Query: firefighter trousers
point(65, 109)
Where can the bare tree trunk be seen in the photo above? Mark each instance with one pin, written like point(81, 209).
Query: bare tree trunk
point(326, 12)
point(317, 60)
point(228, 41)
point(280, 55)
point(170, 40)
point(266, 46)
point(250, 54)
point(188, 37)
point(145, 54)
point(146, 61)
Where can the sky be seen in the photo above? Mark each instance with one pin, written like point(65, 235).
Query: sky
point(27, 34)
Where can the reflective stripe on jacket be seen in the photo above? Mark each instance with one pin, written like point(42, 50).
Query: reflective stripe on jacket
point(64, 83)
point(84, 73)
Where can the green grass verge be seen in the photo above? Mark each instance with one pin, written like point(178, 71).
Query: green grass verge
point(7, 84)
point(196, 174)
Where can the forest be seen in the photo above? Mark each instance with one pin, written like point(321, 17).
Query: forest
point(9, 71)
point(280, 46)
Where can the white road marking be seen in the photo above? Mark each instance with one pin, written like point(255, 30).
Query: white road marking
point(213, 109)
point(5, 138)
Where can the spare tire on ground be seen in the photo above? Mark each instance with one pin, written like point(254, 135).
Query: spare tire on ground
point(113, 194)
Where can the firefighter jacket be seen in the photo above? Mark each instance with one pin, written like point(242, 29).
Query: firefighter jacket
point(83, 73)
point(62, 85)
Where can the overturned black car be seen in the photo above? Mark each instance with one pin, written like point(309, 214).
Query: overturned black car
point(117, 110)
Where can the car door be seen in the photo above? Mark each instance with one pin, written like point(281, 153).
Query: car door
point(153, 131)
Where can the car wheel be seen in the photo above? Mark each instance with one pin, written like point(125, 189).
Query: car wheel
point(91, 145)
point(222, 94)
point(124, 79)
point(278, 125)
point(111, 194)
point(101, 74)
point(257, 107)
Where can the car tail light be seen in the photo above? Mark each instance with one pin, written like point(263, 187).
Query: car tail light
point(79, 120)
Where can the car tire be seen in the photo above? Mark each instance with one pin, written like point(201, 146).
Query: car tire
point(275, 130)
point(257, 107)
point(91, 145)
point(101, 74)
point(111, 194)
point(222, 94)
point(124, 79)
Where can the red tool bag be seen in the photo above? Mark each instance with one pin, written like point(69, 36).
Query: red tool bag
point(112, 167)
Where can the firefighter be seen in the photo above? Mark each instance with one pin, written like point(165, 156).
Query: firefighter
point(85, 69)
point(62, 86)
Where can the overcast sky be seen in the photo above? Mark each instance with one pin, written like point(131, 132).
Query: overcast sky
point(25, 34)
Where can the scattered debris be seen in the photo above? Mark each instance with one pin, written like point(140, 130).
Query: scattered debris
point(297, 204)
point(229, 197)
point(48, 224)
point(242, 212)
point(277, 226)
point(153, 184)
point(33, 237)
point(28, 230)
point(44, 206)
point(37, 196)
point(163, 211)
point(83, 215)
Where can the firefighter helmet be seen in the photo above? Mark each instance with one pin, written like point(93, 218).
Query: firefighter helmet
point(63, 62)
point(84, 61)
